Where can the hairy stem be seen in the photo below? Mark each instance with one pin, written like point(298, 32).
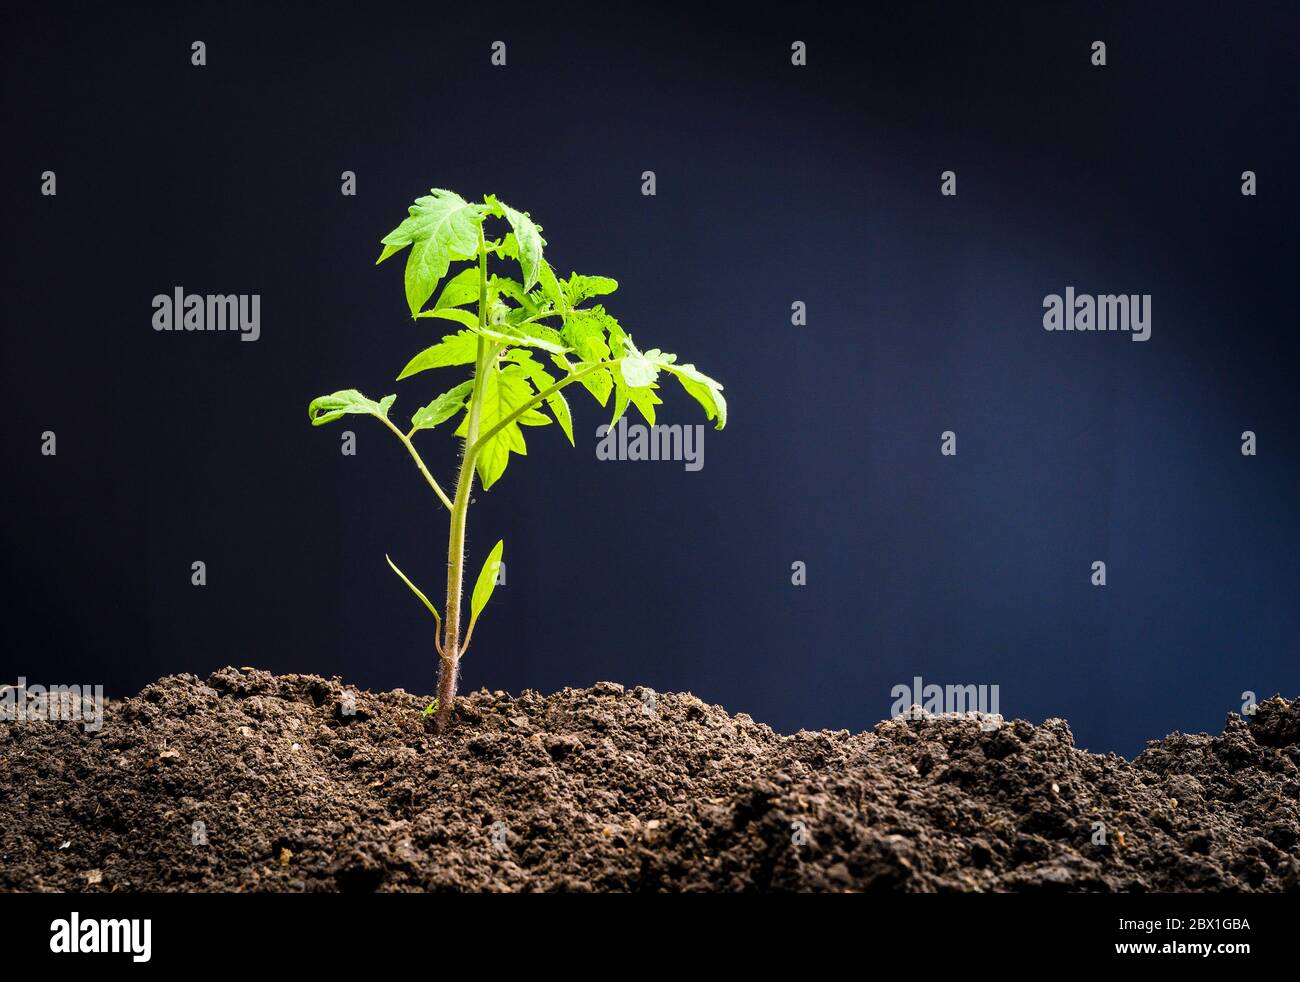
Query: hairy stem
point(449, 665)
point(419, 461)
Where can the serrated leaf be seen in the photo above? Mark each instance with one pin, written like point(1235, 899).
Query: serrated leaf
point(504, 391)
point(441, 227)
point(442, 408)
point(486, 583)
point(578, 288)
point(528, 241)
point(325, 409)
point(704, 390)
point(643, 397)
point(637, 370)
point(584, 332)
point(451, 314)
point(460, 348)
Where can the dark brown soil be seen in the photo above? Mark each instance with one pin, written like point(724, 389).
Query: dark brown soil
point(587, 790)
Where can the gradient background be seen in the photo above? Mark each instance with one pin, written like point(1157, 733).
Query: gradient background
point(775, 183)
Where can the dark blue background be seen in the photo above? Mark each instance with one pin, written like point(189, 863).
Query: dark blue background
point(775, 183)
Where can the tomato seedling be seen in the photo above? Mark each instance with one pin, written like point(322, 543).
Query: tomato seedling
point(510, 330)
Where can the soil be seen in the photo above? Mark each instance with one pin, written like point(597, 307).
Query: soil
point(611, 789)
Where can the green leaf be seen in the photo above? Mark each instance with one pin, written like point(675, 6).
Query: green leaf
point(326, 409)
point(560, 409)
point(528, 240)
point(414, 589)
point(531, 336)
point(534, 417)
point(508, 247)
point(504, 391)
point(551, 288)
point(442, 408)
point(598, 383)
point(452, 314)
point(459, 290)
point(584, 331)
point(510, 287)
point(643, 397)
point(460, 348)
point(645, 400)
point(579, 288)
point(440, 228)
point(543, 380)
point(486, 583)
point(637, 370)
point(513, 289)
point(704, 390)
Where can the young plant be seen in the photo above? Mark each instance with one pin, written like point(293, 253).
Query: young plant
point(510, 329)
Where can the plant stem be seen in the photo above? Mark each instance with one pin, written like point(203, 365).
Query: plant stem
point(419, 461)
point(449, 664)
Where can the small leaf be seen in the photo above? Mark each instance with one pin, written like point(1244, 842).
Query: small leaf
point(460, 348)
point(579, 288)
point(414, 589)
point(325, 409)
point(560, 407)
point(528, 237)
point(442, 408)
point(486, 583)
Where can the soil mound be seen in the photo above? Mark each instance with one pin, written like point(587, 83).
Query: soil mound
point(254, 782)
